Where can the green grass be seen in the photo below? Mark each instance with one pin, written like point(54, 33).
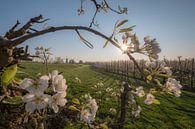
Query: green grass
point(172, 113)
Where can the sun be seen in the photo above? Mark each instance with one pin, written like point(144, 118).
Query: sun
point(124, 47)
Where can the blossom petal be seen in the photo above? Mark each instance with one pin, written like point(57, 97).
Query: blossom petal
point(28, 97)
point(62, 102)
point(54, 73)
point(43, 83)
point(55, 108)
point(41, 105)
point(30, 107)
point(26, 83)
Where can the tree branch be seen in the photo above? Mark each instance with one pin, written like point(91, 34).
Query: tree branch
point(53, 29)
point(84, 40)
point(20, 32)
point(17, 88)
point(136, 64)
point(93, 19)
point(14, 27)
point(98, 6)
point(113, 10)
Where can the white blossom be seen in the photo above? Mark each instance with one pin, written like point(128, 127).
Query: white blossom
point(58, 82)
point(77, 80)
point(114, 94)
point(122, 89)
point(130, 47)
point(98, 92)
point(89, 112)
point(174, 86)
point(36, 101)
point(160, 66)
point(133, 47)
point(108, 89)
point(104, 7)
point(58, 100)
point(80, 11)
point(95, 86)
point(149, 99)
point(34, 86)
point(123, 10)
point(128, 34)
point(151, 47)
point(137, 112)
point(26, 83)
point(112, 110)
point(59, 86)
point(167, 70)
point(107, 99)
point(100, 84)
point(86, 116)
point(132, 98)
point(151, 64)
point(139, 91)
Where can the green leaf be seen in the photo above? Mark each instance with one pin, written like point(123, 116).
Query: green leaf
point(13, 100)
point(8, 75)
point(106, 43)
point(76, 101)
point(168, 92)
point(164, 75)
point(126, 29)
point(156, 101)
point(158, 82)
point(121, 23)
point(103, 126)
point(152, 90)
point(21, 72)
point(17, 80)
point(149, 77)
point(73, 108)
point(146, 71)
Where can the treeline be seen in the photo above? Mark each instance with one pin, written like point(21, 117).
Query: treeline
point(183, 69)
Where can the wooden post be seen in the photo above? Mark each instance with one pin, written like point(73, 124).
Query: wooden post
point(192, 74)
point(179, 66)
point(124, 100)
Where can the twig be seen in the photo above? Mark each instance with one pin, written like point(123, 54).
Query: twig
point(84, 40)
point(53, 29)
point(33, 29)
point(20, 32)
point(14, 27)
point(113, 10)
point(93, 19)
point(136, 64)
point(11, 87)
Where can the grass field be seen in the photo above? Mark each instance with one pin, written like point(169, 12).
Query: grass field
point(172, 113)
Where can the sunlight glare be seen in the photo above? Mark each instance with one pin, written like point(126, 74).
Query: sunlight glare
point(124, 47)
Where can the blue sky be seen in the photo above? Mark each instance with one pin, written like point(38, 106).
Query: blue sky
point(171, 22)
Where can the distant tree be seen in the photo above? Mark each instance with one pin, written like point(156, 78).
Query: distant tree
point(43, 54)
point(71, 61)
point(80, 62)
point(66, 60)
point(58, 60)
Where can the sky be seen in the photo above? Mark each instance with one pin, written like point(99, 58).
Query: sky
point(171, 22)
